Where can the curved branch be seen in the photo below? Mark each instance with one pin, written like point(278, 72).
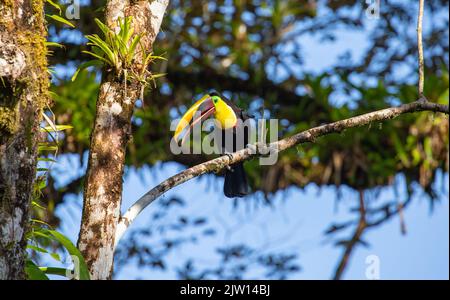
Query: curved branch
point(356, 238)
point(363, 226)
point(310, 135)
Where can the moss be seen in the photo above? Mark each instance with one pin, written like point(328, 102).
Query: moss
point(33, 43)
point(29, 135)
point(8, 3)
point(9, 108)
point(8, 120)
point(7, 8)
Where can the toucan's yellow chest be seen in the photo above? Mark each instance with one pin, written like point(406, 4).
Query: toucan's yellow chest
point(224, 115)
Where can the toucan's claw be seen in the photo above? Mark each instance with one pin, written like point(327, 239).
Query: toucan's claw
point(252, 147)
point(261, 148)
point(230, 156)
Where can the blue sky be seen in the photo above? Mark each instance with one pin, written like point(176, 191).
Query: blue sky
point(295, 224)
point(298, 218)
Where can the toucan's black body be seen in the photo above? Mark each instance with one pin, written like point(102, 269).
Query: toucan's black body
point(236, 184)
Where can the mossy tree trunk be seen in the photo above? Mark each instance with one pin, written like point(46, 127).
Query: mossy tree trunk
point(109, 138)
point(23, 95)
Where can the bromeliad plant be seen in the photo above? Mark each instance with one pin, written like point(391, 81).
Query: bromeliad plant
point(119, 52)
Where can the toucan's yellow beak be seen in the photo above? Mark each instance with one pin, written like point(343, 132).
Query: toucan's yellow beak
point(205, 105)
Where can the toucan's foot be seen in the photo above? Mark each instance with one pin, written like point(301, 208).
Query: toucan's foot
point(253, 148)
point(261, 148)
point(272, 148)
point(227, 167)
point(230, 156)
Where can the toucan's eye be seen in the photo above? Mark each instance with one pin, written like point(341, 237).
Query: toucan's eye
point(215, 99)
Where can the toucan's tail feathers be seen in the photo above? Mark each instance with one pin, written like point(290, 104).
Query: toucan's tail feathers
point(236, 182)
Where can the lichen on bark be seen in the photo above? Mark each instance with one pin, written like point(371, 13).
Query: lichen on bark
point(24, 94)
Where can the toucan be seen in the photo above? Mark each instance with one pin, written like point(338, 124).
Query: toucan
point(227, 117)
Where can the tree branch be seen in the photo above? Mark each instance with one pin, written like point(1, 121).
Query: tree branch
point(362, 225)
point(363, 228)
point(420, 50)
point(310, 135)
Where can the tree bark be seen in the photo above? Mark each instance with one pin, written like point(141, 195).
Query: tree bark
point(110, 135)
point(23, 95)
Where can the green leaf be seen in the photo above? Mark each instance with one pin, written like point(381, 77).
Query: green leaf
point(84, 273)
point(51, 71)
point(41, 184)
point(55, 256)
point(151, 57)
point(56, 128)
point(54, 44)
point(157, 57)
point(55, 271)
point(60, 19)
point(33, 272)
point(34, 203)
point(39, 233)
point(122, 46)
point(47, 148)
point(38, 249)
point(132, 49)
point(55, 5)
point(95, 40)
point(85, 65)
point(99, 57)
point(154, 76)
point(105, 29)
point(46, 159)
point(52, 94)
point(49, 121)
point(109, 53)
point(40, 222)
point(126, 30)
